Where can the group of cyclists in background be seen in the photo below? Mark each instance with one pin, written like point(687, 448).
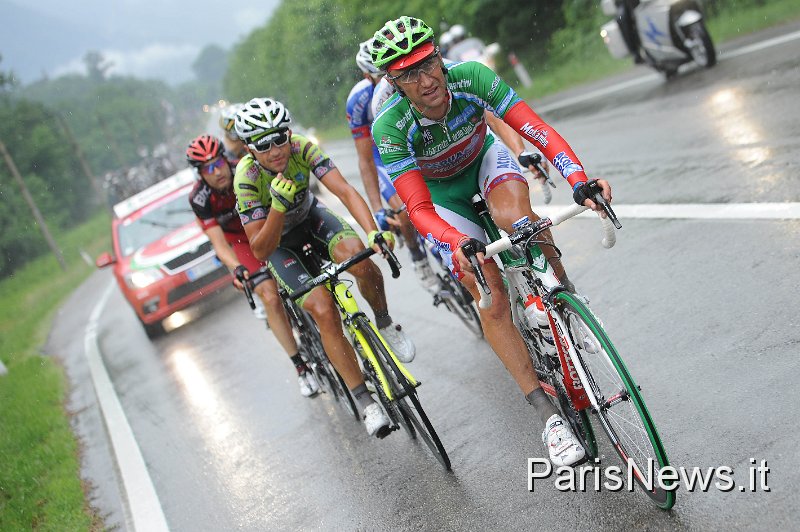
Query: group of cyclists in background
point(429, 134)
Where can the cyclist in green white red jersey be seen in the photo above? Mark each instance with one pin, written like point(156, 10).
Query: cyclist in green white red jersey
point(281, 216)
point(377, 184)
point(432, 137)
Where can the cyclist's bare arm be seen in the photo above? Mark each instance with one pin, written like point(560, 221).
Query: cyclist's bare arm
point(369, 172)
point(349, 196)
point(510, 138)
point(264, 235)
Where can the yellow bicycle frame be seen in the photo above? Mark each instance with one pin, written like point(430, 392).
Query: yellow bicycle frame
point(348, 308)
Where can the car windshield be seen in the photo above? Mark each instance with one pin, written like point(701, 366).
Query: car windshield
point(154, 224)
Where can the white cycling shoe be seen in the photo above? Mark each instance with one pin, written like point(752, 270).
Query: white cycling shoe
point(561, 444)
point(403, 347)
point(425, 274)
point(376, 421)
point(308, 384)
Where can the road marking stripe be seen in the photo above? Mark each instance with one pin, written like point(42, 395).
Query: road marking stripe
point(647, 78)
point(701, 211)
point(144, 507)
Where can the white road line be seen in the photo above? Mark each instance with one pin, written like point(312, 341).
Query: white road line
point(144, 507)
point(775, 41)
point(648, 78)
point(700, 211)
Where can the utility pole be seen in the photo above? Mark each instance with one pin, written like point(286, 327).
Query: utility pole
point(34, 209)
point(98, 190)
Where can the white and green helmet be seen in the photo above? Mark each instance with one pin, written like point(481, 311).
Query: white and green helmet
point(398, 38)
point(261, 116)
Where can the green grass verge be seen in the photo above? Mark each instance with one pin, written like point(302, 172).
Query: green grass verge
point(596, 63)
point(40, 487)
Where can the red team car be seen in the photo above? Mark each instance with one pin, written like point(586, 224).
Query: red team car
point(162, 259)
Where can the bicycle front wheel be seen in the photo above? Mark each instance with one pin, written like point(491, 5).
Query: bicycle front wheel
point(460, 302)
point(622, 412)
point(406, 400)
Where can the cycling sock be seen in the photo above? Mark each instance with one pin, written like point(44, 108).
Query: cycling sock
point(382, 319)
point(299, 364)
point(541, 403)
point(416, 253)
point(362, 396)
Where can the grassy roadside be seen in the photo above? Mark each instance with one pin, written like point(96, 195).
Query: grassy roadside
point(596, 63)
point(40, 488)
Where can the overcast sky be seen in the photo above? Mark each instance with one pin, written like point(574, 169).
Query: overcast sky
point(144, 38)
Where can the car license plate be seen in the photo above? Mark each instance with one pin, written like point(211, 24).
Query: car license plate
point(203, 268)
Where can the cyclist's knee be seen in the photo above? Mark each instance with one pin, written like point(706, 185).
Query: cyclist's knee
point(269, 294)
point(346, 248)
point(319, 304)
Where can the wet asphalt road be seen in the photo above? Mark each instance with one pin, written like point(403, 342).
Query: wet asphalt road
point(703, 311)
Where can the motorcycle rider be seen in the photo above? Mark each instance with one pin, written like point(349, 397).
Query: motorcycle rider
point(627, 25)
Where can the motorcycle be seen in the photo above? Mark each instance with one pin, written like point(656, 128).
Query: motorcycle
point(670, 33)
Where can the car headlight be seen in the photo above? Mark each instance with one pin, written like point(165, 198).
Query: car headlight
point(143, 278)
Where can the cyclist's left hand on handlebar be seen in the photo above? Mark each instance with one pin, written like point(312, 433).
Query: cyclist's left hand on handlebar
point(240, 275)
point(584, 194)
point(387, 236)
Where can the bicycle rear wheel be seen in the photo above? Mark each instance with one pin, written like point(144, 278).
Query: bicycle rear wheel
point(323, 369)
point(409, 406)
point(622, 412)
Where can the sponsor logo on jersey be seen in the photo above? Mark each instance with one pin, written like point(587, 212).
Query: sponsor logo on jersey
point(537, 135)
point(400, 124)
point(495, 84)
point(565, 165)
point(459, 84)
point(258, 213)
point(506, 101)
point(250, 204)
point(252, 173)
point(399, 165)
point(427, 136)
point(462, 118)
point(389, 148)
point(247, 186)
point(244, 218)
point(287, 263)
point(201, 198)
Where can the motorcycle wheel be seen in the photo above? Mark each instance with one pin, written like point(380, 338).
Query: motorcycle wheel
point(701, 48)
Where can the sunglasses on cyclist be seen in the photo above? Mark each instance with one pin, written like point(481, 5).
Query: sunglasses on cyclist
point(413, 74)
point(266, 143)
point(208, 169)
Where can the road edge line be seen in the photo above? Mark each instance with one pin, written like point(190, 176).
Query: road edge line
point(143, 504)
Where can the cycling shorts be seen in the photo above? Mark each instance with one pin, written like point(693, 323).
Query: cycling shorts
point(322, 229)
point(452, 197)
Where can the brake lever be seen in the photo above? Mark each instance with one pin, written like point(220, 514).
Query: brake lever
point(600, 200)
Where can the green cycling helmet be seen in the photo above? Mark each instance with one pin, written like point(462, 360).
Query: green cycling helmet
point(398, 38)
